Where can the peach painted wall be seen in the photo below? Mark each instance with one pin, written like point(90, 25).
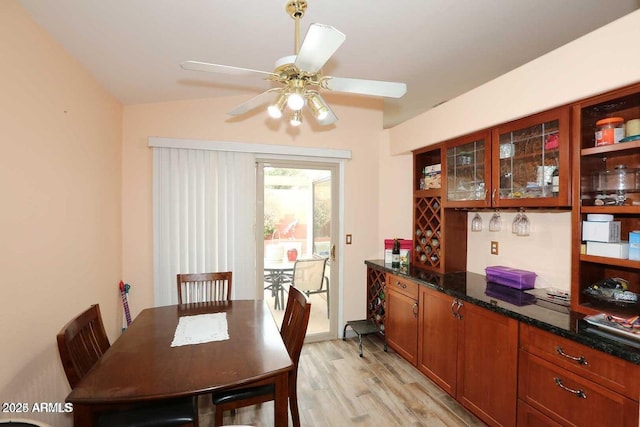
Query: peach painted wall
point(396, 189)
point(359, 130)
point(60, 222)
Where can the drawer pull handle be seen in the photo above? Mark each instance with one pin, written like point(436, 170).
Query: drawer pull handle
point(581, 360)
point(453, 311)
point(415, 310)
point(401, 285)
point(578, 393)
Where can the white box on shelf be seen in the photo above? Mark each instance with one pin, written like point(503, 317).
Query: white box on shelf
point(601, 231)
point(611, 250)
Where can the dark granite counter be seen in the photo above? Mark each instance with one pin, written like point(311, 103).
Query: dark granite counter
point(554, 318)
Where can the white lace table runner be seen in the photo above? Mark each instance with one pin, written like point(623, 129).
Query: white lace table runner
point(200, 329)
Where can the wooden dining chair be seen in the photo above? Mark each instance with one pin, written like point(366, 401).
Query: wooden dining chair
point(309, 277)
point(204, 287)
point(292, 331)
point(81, 344)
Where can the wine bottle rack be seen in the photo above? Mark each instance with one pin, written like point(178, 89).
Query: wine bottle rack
point(376, 299)
point(427, 233)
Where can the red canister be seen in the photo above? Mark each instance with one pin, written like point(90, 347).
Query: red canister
point(609, 131)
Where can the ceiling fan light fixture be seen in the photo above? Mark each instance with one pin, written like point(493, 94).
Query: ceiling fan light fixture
point(296, 92)
point(296, 119)
point(275, 109)
point(295, 101)
point(300, 76)
point(318, 107)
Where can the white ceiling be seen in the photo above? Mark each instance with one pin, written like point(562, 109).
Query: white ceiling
point(440, 48)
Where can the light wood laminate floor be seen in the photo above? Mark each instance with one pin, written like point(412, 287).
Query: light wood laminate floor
point(338, 388)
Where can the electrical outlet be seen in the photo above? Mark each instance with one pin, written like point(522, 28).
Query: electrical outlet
point(494, 247)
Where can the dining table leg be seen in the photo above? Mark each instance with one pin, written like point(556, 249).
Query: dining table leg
point(281, 401)
point(82, 416)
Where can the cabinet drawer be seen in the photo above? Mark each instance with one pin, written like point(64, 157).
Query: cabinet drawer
point(570, 399)
point(606, 370)
point(403, 286)
point(529, 417)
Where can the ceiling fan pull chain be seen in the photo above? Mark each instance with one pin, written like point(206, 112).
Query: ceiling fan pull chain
point(297, 37)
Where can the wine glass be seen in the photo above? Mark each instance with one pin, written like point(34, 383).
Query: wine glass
point(524, 226)
point(514, 224)
point(495, 224)
point(476, 223)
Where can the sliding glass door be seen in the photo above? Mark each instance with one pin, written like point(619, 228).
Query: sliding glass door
point(297, 219)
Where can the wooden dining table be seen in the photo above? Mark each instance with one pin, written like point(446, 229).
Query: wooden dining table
point(141, 366)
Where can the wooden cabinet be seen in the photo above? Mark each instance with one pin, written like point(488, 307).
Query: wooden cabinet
point(438, 338)
point(471, 353)
point(436, 231)
point(401, 328)
point(574, 385)
point(488, 343)
point(529, 417)
point(525, 155)
point(467, 166)
point(376, 297)
point(511, 165)
point(596, 193)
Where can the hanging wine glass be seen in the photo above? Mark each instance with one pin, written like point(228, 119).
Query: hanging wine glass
point(495, 224)
point(523, 226)
point(514, 224)
point(476, 223)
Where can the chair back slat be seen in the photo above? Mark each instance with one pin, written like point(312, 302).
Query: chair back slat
point(204, 287)
point(295, 322)
point(308, 274)
point(81, 343)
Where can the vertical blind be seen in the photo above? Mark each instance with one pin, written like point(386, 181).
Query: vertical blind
point(203, 218)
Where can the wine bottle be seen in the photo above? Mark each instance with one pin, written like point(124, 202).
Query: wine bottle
point(555, 182)
point(395, 254)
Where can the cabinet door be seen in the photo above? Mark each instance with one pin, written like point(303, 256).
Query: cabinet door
point(487, 365)
point(467, 166)
point(401, 327)
point(438, 339)
point(526, 154)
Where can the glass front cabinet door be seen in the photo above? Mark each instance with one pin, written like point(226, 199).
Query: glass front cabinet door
point(468, 171)
point(530, 161)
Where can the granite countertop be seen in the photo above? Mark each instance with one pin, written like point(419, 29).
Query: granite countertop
point(554, 318)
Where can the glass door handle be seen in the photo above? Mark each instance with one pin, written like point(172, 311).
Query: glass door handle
point(333, 252)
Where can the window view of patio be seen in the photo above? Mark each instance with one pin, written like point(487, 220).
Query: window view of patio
point(297, 225)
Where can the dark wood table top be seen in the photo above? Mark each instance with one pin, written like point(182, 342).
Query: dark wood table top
point(141, 364)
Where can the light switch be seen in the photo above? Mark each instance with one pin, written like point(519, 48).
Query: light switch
point(348, 239)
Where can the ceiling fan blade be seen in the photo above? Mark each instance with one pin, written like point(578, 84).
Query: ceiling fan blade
point(319, 44)
point(367, 87)
point(254, 102)
point(224, 69)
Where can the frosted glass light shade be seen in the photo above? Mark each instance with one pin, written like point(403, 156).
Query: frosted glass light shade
point(295, 101)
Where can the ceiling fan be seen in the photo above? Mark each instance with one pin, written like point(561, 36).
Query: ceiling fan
point(300, 75)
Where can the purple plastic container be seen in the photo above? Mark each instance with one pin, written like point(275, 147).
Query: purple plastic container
point(512, 277)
